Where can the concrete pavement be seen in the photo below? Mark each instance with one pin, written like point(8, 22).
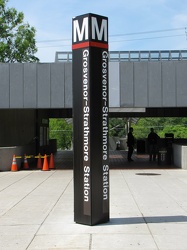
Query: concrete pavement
point(118, 160)
point(148, 210)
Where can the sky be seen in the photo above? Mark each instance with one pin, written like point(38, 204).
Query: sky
point(133, 24)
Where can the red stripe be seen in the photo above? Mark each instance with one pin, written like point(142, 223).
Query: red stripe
point(80, 45)
point(99, 45)
point(90, 44)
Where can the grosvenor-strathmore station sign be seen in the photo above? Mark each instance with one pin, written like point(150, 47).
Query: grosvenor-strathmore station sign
point(90, 116)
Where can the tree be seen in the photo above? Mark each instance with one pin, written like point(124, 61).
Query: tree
point(62, 131)
point(117, 127)
point(162, 125)
point(17, 39)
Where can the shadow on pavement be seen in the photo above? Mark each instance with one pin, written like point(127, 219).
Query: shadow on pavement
point(151, 219)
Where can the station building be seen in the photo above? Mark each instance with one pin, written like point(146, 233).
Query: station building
point(141, 84)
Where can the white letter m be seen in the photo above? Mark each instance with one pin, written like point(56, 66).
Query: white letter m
point(78, 32)
point(95, 29)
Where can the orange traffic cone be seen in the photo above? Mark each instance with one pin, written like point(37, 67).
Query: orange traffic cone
point(39, 163)
point(14, 166)
point(25, 163)
point(45, 164)
point(51, 162)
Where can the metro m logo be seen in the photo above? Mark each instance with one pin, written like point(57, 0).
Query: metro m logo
point(92, 28)
point(77, 33)
point(103, 30)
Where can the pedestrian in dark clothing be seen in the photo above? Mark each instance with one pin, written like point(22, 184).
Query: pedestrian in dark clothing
point(152, 141)
point(130, 144)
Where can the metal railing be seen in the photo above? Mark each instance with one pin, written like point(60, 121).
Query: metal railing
point(135, 56)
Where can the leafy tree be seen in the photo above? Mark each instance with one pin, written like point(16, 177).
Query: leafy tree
point(117, 127)
point(62, 131)
point(17, 39)
point(161, 125)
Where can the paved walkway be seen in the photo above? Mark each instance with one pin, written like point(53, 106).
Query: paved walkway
point(148, 210)
point(118, 160)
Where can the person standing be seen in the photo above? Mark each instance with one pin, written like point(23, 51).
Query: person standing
point(130, 144)
point(152, 141)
